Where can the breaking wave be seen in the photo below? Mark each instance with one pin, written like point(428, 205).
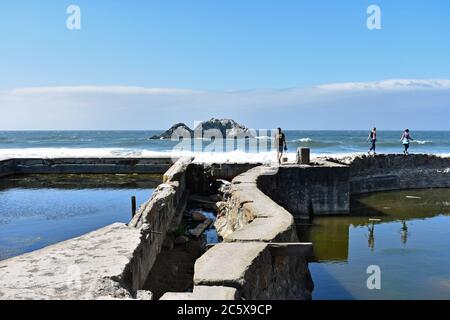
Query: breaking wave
point(200, 157)
point(303, 140)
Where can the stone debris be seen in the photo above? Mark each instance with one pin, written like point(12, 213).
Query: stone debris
point(224, 187)
point(198, 231)
point(225, 182)
point(144, 295)
point(198, 216)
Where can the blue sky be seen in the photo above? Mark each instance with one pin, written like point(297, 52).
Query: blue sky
point(212, 48)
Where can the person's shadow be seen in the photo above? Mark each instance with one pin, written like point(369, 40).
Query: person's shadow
point(371, 238)
point(404, 232)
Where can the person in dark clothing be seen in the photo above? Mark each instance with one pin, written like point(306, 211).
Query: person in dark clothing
point(373, 139)
point(280, 143)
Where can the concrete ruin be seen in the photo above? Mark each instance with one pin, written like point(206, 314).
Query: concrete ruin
point(260, 256)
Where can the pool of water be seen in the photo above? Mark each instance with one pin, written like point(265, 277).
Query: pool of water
point(39, 210)
point(405, 233)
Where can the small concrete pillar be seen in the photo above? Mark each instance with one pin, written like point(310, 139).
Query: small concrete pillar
point(303, 156)
point(133, 206)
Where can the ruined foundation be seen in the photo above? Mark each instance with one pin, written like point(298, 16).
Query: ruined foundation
point(260, 256)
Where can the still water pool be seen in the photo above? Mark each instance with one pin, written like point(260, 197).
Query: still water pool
point(39, 210)
point(405, 233)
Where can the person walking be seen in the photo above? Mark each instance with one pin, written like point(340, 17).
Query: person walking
point(405, 139)
point(373, 139)
point(280, 143)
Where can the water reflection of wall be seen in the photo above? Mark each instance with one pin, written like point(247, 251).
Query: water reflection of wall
point(330, 237)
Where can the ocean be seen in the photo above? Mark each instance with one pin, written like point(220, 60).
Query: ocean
point(137, 144)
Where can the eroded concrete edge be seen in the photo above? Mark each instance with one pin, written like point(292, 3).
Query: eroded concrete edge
point(245, 262)
point(110, 263)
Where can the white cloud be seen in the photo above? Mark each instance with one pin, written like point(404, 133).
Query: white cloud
point(98, 90)
point(394, 84)
point(388, 104)
point(398, 84)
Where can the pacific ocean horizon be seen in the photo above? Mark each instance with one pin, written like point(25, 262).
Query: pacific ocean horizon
point(137, 143)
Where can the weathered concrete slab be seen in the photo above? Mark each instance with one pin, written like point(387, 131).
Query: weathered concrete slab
point(204, 293)
point(228, 264)
point(265, 230)
point(177, 172)
point(86, 267)
point(250, 215)
point(251, 268)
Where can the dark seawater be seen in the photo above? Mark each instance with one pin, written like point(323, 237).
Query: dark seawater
point(123, 143)
point(410, 243)
point(39, 210)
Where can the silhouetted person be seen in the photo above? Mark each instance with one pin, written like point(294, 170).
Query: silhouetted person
point(373, 139)
point(405, 139)
point(280, 143)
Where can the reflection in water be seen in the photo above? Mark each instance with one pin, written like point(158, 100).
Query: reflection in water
point(404, 232)
point(371, 236)
point(410, 264)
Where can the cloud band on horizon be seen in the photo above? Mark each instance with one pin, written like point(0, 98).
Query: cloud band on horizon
point(355, 105)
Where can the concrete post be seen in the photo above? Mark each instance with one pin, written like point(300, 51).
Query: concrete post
point(303, 155)
point(133, 206)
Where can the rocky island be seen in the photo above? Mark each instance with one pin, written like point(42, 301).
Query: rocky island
point(180, 129)
point(227, 127)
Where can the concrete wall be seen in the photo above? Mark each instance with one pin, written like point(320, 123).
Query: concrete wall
point(163, 212)
point(112, 262)
point(6, 167)
point(395, 172)
point(326, 187)
point(200, 176)
point(90, 165)
point(250, 215)
point(322, 189)
point(259, 257)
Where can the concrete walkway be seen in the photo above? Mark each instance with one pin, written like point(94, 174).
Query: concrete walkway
point(80, 268)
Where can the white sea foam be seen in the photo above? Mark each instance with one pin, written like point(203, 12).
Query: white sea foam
point(422, 141)
point(200, 157)
point(234, 156)
point(302, 140)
